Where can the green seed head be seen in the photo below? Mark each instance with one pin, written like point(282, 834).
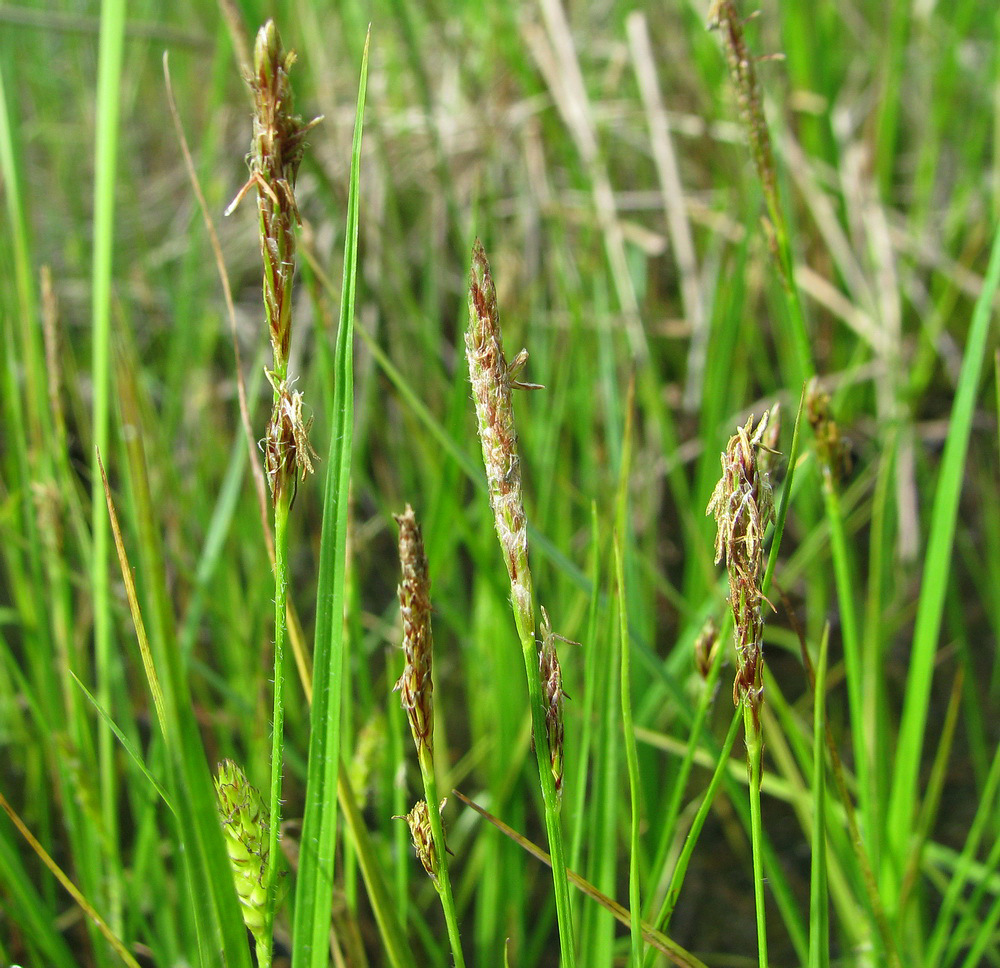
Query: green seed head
point(245, 824)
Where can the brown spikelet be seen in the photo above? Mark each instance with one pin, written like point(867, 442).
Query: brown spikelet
point(423, 841)
point(743, 506)
point(553, 697)
point(492, 380)
point(706, 647)
point(416, 685)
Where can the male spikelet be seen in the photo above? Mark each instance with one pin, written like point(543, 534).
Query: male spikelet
point(743, 506)
point(492, 379)
point(245, 824)
point(274, 159)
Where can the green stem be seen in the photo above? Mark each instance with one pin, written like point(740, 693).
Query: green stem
point(680, 868)
point(755, 750)
point(443, 882)
point(281, 508)
point(550, 799)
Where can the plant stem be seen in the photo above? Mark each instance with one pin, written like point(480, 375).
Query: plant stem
point(755, 750)
point(281, 507)
point(443, 882)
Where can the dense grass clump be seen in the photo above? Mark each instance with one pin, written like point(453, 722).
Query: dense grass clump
point(641, 733)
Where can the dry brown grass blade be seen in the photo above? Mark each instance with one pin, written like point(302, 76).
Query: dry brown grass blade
point(657, 939)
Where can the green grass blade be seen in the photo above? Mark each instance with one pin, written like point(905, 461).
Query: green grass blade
point(109, 83)
point(319, 826)
point(937, 564)
point(819, 916)
point(127, 744)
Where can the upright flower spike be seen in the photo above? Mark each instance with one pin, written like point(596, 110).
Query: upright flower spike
point(274, 159)
point(833, 454)
point(744, 506)
point(492, 379)
point(416, 685)
point(723, 17)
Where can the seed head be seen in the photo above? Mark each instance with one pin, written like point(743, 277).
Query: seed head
point(706, 647)
point(723, 17)
point(275, 155)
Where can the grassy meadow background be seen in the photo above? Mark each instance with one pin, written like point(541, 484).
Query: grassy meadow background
point(597, 150)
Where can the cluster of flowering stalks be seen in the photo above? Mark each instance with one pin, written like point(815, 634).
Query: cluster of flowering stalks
point(743, 506)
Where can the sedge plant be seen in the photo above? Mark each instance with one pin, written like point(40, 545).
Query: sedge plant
point(276, 153)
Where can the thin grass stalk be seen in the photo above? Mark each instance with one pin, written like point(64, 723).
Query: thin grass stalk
point(831, 456)
point(631, 760)
point(493, 379)
point(819, 916)
point(694, 832)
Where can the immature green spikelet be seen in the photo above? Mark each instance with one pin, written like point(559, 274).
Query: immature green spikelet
point(416, 685)
point(553, 698)
point(492, 379)
point(245, 825)
point(744, 506)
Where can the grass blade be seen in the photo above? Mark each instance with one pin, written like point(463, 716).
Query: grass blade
point(937, 564)
point(319, 825)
